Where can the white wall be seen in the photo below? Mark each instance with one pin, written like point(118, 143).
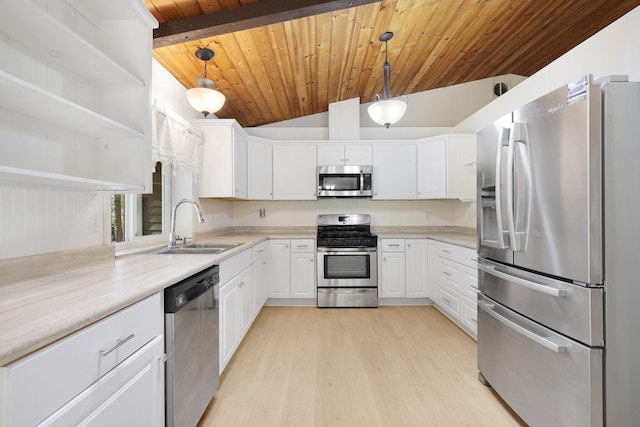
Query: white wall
point(614, 50)
point(441, 107)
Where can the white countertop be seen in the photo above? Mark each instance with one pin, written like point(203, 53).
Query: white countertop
point(37, 312)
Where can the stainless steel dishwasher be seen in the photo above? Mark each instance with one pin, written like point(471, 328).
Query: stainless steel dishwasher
point(191, 343)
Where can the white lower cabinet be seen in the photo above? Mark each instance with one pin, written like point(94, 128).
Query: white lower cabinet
point(417, 275)
point(454, 284)
point(393, 274)
point(403, 268)
point(294, 269)
point(303, 269)
point(261, 275)
point(236, 303)
point(280, 264)
point(109, 373)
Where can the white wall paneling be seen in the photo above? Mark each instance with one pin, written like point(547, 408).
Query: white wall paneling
point(383, 212)
point(39, 219)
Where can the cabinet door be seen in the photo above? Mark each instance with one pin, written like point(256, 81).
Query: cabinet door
point(358, 154)
point(303, 274)
point(224, 160)
point(240, 185)
point(260, 173)
point(245, 297)
point(294, 172)
point(261, 283)
point(393, 275)
point(229, 321)
point(330, 154)
point(131, 394)
point(280, 262)
point(417, 268)
point(462, 167)
point(432, 169)
point(394, 171)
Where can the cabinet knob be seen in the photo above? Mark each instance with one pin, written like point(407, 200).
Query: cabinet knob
point(311, 259)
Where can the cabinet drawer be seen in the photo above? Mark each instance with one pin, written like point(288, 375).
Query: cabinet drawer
point(452, 252)
point(469, 257)
point(470, 314)
point(303, 245)
point(449, 301)
point(39, 384)
point(259, 251)
point(449, 274)
point(469, 282)
point(231, 267)
point(392, 245)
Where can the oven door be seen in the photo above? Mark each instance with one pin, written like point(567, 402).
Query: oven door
point(347, 267)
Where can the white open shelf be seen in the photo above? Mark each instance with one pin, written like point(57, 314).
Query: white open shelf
point(71, 50)
point(40, 177)
point(32, 101)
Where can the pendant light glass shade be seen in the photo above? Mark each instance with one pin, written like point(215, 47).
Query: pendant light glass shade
point(386, 110)
point(203, 98)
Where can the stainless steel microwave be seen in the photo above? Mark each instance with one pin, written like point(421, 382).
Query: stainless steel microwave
point(345, 181)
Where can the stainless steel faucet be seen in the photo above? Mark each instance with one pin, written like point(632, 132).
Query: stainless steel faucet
point(172, 234)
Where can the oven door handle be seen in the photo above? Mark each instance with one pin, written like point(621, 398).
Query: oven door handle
point(347, 252)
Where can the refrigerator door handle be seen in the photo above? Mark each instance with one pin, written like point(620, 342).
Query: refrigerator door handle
point(517, 135)
point(543, 341)
point(521, 171)
point(502, 142)
point(537, 287)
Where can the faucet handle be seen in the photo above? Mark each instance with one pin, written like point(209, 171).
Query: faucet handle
point(184, 240)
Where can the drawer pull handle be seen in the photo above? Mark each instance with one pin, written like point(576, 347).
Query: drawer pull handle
point(446, 273)
point(446, 251)
point(446, 300)
point(537, 287)
point(395, 246)
point(543, 341)
point(474, 321)
point(103, 353)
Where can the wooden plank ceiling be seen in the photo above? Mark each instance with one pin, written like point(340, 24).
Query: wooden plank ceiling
point(297, 67)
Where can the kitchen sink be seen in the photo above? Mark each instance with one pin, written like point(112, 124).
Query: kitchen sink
point(198, 248)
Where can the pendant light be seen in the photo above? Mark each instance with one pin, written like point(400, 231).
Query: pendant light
point(386, 110)
point(203, 98)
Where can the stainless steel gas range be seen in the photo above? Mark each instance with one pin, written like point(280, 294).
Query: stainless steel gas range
point(347, 261)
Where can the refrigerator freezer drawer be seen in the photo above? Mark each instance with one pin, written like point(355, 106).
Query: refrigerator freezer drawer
point(547, 379)
point(575, 311)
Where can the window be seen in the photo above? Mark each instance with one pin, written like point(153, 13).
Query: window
point(137, 216)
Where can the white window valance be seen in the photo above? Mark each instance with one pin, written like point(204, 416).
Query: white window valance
point(176, 144)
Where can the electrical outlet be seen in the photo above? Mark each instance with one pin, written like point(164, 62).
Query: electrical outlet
point(94, 223)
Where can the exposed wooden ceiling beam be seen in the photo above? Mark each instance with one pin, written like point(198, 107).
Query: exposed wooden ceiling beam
point(244, 18)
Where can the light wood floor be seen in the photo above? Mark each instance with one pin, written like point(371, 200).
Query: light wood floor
point(390, 366)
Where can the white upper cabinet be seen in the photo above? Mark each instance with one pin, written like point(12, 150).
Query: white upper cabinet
point(447, 167)
point(294, 172)
point(224, 159)
point(394, 171)
point(335, 154)
point(260, 171)
point(432, 169)
point(74, 89)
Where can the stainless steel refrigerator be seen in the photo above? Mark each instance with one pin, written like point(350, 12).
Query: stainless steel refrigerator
point(559, 252)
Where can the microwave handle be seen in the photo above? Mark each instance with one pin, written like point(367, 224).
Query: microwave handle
point(361, 180)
